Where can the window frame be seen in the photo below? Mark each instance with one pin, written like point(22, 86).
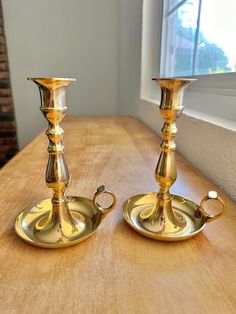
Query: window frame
point(210, 82)
point(202, 94)
point(166, 14)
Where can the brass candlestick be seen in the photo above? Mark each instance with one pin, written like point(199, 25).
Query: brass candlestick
point(60, 221)
point(164, 216)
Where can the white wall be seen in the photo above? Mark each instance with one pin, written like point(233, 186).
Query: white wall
point(129, 55)
point(62, 38)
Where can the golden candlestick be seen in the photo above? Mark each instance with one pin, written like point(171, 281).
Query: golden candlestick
point(165, 216)
point(60, 221)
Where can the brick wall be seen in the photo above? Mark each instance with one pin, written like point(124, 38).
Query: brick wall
point(8, 139)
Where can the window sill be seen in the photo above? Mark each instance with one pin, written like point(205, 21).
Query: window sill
point(203, 116)
point(213, 91)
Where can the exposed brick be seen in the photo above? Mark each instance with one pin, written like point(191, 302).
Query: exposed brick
point(7, 148)
point(7, 133)
point(3, 49)
point(12, 141)
point(2, 156)
point(4, 84)
point(9, 155)
point(7, 117)
point(5, 92)
point(8, 139)
point(7, 125)
point(2, 40)
point(4, 75)
point(5, 101)
point(6, 109)
point(3, 161)
point(3, 66)
point(3, 58)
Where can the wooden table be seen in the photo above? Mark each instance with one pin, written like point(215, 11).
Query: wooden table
point(116, 270)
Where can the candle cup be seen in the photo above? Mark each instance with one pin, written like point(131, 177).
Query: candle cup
point(62, 220)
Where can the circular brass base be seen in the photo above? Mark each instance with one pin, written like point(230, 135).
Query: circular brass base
point(186, 211)
point(77, 221)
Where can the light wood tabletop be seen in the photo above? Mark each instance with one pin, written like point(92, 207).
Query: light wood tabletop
point(116, 270)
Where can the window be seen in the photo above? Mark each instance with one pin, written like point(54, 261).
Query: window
point(198, 37)
point(213, 93)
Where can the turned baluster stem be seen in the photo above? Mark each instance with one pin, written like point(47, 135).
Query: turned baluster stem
point(53, 107)
point(57, 174)
point(171, 107)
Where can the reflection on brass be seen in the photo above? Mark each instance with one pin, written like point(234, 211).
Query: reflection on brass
point(164, 216)
point(63, 220)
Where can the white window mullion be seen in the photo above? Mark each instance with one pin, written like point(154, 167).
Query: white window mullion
point(195, 53)
point(175, 8)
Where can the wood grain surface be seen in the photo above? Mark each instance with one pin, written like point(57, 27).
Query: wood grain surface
point(116, 270)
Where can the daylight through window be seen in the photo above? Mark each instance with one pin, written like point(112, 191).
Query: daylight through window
point(198, 37)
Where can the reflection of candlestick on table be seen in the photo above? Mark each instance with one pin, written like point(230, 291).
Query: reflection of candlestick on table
point(60, 221)
point(162, 215)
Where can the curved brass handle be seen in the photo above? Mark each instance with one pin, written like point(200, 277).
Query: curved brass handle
point(212, 195)
point(100, 190)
